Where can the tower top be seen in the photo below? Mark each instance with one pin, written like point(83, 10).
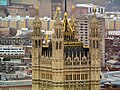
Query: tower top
point(73, 7)
point(58, 9)
point(37, 21)
point(36, 8)
point(57, 14)
point(94, 21)
point(65, 15)
point(94, 10)
point(73, 12)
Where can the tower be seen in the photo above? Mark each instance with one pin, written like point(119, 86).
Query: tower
point(95, 53)
point(76, 58)
point(63, 63)
point(57, 54)
point(36, 51)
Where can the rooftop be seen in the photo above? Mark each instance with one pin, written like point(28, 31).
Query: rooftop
point(112, 76)
point(113, 7)
point(15, 83)
point(86, 5)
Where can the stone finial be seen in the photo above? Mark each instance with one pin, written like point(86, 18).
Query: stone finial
point(36, 8)
point(94, 10)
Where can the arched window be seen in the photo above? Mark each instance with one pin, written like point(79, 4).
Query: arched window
point(56, 45)
point(39, 31)
point(57, 33)
point(60, 45)
point(39, 43)
point(93, 44)
point(36, 43)
point(65, 38)
point(96, 32)
point(97, 44)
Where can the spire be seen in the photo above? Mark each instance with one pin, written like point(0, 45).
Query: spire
point(57, 16)
point(68, 25)
point(73, 12)
point(58, 26)
point(36, 8)
point(37, 22)
point(65, 17)
point(72, 21)
point(58, 9)
point(94, 18)
point(94, 10)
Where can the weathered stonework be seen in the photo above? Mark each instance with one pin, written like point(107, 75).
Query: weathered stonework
point(65, 64)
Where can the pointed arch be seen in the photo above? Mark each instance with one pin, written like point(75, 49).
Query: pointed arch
point(57, 33)
point(97, 44)
point(93, 44)
point(60, 45)
point(56, 45)
point(39, 43)
point(36, 44)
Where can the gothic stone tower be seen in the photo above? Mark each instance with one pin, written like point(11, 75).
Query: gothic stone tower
point(57, 54)
point(95, 53)
point(36, 52)
point(64, 63)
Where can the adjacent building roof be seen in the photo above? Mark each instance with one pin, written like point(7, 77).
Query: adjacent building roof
point(16, 83)
point(112, 7)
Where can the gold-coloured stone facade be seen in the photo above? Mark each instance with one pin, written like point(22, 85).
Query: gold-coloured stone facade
point(65, 64)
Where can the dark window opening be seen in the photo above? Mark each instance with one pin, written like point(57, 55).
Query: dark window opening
point(56, 45)
point(60, 45)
